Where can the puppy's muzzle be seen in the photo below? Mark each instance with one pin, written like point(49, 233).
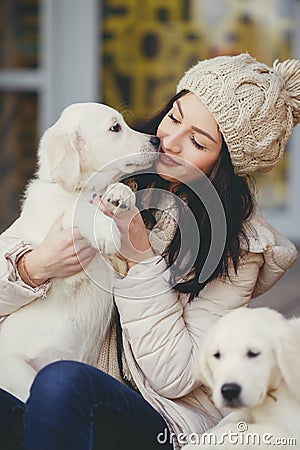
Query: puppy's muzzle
point(231, 394)
point(149, 151)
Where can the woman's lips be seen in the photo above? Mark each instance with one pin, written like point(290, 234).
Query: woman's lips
point(167, 160)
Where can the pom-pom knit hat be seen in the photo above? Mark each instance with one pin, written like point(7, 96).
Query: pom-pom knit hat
point(255, 106)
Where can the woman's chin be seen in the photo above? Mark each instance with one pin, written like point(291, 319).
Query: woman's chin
point(168, 177)
point(164, 173)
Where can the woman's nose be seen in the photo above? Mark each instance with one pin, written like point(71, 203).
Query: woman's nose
point(172, 144)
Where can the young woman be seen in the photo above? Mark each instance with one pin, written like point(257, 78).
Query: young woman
point(231, 116)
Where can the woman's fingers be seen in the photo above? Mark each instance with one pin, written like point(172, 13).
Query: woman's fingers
point(86, 256)
point(84, 252)
point(135, 245)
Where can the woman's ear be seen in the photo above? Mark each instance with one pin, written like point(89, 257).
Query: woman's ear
point(288, 359)
point(61, 151)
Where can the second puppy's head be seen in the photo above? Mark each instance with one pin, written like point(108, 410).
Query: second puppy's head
point(243, 357)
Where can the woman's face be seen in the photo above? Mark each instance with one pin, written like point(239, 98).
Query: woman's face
point(190, 140)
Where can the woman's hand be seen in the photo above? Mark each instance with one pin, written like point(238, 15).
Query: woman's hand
point(135, 245)
point(56, 255)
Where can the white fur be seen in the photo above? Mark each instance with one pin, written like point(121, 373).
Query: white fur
point(269, 399)
point(83, 152)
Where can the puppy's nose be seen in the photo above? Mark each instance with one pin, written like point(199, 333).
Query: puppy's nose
point(155, 141)
point(231, 391)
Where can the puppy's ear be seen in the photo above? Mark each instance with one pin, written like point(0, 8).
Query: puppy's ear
point(201, 369)
point(61, 152)
point(287, 353)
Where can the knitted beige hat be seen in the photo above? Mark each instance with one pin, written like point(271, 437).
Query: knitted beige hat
point(255, 106)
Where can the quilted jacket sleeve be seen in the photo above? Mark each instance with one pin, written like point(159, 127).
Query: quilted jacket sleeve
point(14, 293)
point(164, 331)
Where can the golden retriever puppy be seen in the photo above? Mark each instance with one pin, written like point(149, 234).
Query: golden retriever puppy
point(87, 149)
point(250, 361)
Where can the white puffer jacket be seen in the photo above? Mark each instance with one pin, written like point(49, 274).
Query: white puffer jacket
point(162, 331)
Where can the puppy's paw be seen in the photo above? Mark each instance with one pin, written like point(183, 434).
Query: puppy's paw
point(108, 238)
point(118, 198)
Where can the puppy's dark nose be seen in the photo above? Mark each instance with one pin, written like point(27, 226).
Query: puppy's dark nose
point(155, 141)
point(231, 391)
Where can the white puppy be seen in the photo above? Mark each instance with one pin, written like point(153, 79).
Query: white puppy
point(250, 361)
point(89, 147)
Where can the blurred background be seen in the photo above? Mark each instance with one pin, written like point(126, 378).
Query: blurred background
point(130, 54)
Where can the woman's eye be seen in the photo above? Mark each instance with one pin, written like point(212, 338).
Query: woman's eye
point(173, 118)
point(197, 145)
point(116, 128)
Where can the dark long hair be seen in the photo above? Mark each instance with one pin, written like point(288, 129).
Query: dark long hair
point(237, 201)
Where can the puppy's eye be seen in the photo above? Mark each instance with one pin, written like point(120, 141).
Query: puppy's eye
point(251, 354)
point(217, 355)
point(116, 128)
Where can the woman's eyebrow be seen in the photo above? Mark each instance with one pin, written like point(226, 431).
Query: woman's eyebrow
point(199, 130)
point(205, 133)
point(179, 107)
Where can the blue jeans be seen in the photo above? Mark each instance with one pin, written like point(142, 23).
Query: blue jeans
point(74, 406)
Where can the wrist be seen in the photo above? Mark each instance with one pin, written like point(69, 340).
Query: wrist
point(30, 273)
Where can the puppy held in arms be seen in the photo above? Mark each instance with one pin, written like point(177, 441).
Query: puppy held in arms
point(250, 361)
point(87, 149)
